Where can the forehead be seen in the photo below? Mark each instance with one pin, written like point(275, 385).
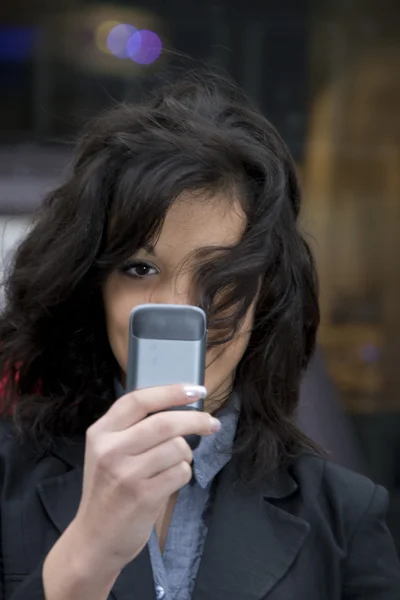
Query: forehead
point(197, 221)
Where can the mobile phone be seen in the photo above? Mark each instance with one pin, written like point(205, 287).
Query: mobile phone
point(167, 345)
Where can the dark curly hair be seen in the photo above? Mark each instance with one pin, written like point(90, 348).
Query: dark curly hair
point(131, 164)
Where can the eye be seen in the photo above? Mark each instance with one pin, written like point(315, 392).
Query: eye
point(139, 269)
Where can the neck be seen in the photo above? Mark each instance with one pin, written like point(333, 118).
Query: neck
point(215, 401)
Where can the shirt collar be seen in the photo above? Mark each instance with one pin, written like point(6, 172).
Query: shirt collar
point(214, 451)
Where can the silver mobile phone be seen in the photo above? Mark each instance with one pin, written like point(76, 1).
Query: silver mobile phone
point(167, 344)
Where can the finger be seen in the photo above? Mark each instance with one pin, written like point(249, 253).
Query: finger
point(162, 457)
point(135, 406)
point(163, 426)
point(170, 481)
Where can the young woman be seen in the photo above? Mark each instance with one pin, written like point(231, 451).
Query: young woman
point(192, 198)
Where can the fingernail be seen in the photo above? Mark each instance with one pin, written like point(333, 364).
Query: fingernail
point(215, 424)
point(195, 391)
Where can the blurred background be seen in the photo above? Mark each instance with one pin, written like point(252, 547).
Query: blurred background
point(326, 72)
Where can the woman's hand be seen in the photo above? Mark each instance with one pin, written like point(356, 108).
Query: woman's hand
point(133, 463)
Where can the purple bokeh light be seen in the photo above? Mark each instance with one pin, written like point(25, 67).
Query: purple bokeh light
point(370, 353)
point(118, 39)
point(134, 45)
point(144, 47)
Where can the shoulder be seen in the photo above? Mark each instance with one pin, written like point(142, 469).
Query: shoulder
point(17, 457)
point(320, 475)
point(349, 512)
point(337, 492)
point(9, 444)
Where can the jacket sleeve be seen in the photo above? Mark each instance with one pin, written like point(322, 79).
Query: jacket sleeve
point(31, 588)
point(373, 568)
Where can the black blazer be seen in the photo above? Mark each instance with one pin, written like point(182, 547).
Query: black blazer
point(317, 531)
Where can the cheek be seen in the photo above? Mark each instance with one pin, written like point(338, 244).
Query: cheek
point(223, 360)
point(118, 304)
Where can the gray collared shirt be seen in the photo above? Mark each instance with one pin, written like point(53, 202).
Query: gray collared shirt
point(176, 569)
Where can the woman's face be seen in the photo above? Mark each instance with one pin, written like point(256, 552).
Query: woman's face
point(155, 275)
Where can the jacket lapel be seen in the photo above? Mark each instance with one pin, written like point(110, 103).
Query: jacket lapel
point(251, 542)
point(250, 546)
point(61, 496)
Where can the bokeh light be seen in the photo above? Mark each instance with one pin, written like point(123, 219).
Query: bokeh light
point(118, 38)
point(370, 353)
point(144, 47)
point(102, 33)
point(126, 41)
point(16, 43)
point(134, 45)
